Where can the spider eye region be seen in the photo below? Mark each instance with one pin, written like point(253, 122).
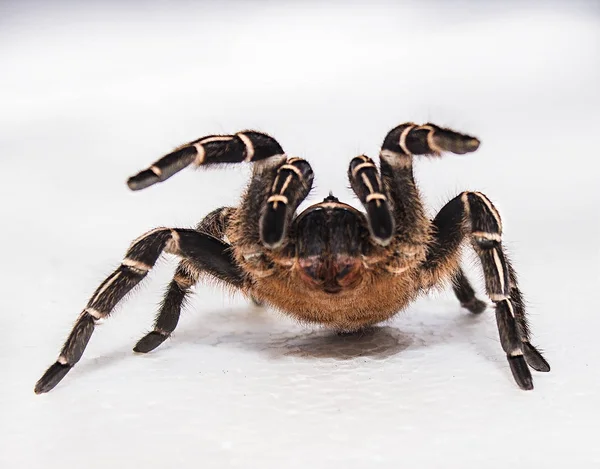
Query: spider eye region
point(329, 246)
point(331, 273)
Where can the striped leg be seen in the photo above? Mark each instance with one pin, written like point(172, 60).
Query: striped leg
point(533, 357)
point(276, 189)
point(207, 252)
point(292, 184)
point(186, 276)
point(243, 146)
point(473, 214)
point(396, 156)
point(366, 183)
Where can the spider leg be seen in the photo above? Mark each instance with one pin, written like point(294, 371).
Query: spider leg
point(533, 356)
point(208, 253)
point(166, 321)
point(276, 189)
point(396, 160)
point(213, 149)
point(465, 293)
point(366, 184)
point(292, 184)
point(473, 214)
point(186, 276)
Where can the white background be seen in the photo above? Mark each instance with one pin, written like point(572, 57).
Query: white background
point(90, 96)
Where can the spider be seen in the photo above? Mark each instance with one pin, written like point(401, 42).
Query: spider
point(332, 264)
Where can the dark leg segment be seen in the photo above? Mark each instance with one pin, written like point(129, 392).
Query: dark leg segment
point(213, 149)
point(216, 222)
point(186, 276)
point(427, 139)
point(208, 254)
point(465, 293)
point(472, 213)
point(168, 316)
point(291, 186)
point(276, 189)
point(396, 156)
point(366, 183)
point(533, 356)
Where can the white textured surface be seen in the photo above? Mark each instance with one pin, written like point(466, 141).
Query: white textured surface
point(91, 96)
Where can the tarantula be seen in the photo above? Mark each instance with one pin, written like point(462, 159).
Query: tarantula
point(332, 264)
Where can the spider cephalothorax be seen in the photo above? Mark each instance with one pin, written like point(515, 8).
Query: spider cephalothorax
point(332, 264)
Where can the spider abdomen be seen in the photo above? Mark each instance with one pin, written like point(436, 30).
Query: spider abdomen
point(372, 300)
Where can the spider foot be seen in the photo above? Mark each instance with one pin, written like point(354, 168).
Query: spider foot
point(150, 341)
point(51, 378)
point(534, 358)
point(475, 305)
point(520, 371)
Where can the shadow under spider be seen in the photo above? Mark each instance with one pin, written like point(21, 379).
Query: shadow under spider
point(375, 342)
point(260, 330)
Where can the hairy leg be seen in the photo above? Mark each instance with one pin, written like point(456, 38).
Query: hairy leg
point(208, 253)
point(186, 276)
point(263, 219)
point(473, 215)
point(212, 149)
point(366, 184)
point(465, 293)
point(396, 157)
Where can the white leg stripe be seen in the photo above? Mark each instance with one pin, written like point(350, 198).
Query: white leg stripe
point(136, 265)
point(218, 138)
point(291, 167)
point(367, 183)
point(201, 154)
point(367, 164)
point(465, 200)
point(156, 170)
point(277, 198)
point(62, 360)
point(496, 297)
point(172, 246)
point(95, 313)
point(510, 307)
point(249, 146)
point(286, 183)
point(108, 283)
point(145, 235)
point(402, 141)
point(375, 195)
point(490, 206)
point(485, 235)
point(434, 148)
point(398, 160)
point(499, 268)
point(275, 182)
point(516, 353)
point(390, 154)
